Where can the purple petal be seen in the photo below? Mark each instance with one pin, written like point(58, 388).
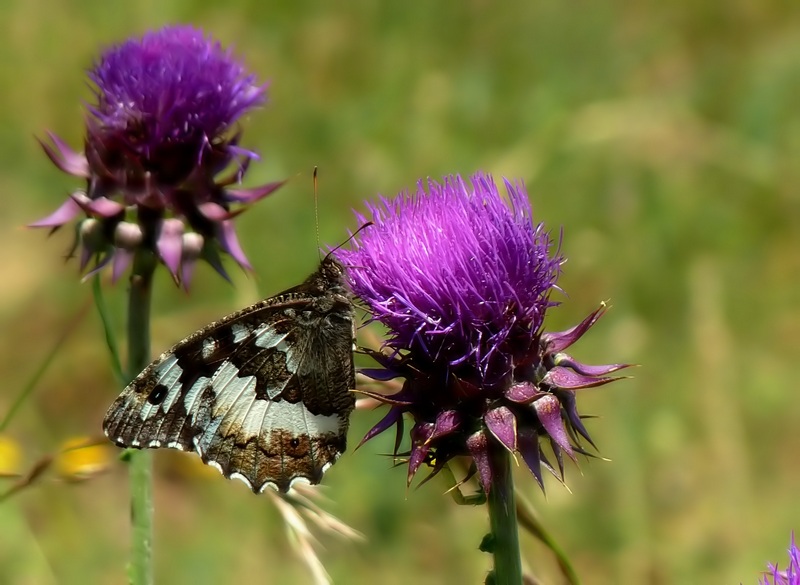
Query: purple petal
point(170, 244)
point(567, 361)
point(230, 243)
point(557, 451)
point(68, 211)
point(557, 342)
point(214, 211)
point(103, 207)
point(252, 194)
point(420, 446)
point(570, 405)
point(122, 259)
point(503, 425)
point(245, 153)
point(385, 423)
point(478, 446)
point(548, 409)
point(86, 255)
point(565, 378)
point(417, 458)
point(187, 271)
point(102, 263)
point(528, 445)
point(523, 393)
point(447, 422)
point(66, 159)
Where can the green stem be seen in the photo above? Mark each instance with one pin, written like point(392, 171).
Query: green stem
point(503, 520)
point(141, 475)
point(108, 330)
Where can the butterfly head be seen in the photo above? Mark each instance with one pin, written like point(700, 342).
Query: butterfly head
point(331, 270)
point(328, 279)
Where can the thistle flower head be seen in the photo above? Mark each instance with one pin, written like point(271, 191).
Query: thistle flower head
point(462, 278)
point(791, 576)
point(160, 131)
point(173, 88)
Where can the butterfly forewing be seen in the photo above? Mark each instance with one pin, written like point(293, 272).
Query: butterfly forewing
point(263, 395)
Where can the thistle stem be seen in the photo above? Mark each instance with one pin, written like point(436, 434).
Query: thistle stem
point(503, 520)
point(141, 475)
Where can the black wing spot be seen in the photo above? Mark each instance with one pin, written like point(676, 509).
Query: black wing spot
point(157, 394)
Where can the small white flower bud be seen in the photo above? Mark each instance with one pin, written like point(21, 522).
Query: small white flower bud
point(91, 233)
point(127, 235)
point(192, 245)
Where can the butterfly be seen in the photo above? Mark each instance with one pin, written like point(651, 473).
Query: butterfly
point(263, 395)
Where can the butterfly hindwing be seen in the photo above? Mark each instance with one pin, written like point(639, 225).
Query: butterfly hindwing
point(263, 395)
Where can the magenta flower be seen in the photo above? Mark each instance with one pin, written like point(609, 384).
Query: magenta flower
point(159, 134)
point(791, 576)
point(462, 279)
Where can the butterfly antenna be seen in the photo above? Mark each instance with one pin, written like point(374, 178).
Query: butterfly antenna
point(316, 209)
point(353, 235)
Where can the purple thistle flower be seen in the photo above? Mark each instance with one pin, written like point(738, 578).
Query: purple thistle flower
point(462, 278)
point(791, 576)
point(160, 132)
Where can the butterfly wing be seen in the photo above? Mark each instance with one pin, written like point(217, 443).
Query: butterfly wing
point(262, 395)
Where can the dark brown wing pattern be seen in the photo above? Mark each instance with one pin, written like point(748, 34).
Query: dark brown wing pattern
point(263, 395)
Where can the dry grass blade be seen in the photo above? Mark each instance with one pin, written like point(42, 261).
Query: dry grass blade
point(304, 496)
point(298, 509)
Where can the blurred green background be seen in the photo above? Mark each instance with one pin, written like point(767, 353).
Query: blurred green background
point(663, 136)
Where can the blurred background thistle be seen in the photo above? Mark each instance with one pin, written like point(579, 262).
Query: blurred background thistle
point(661, 136)
point(159, 131)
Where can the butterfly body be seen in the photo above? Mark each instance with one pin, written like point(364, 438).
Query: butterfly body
point(263, 395)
